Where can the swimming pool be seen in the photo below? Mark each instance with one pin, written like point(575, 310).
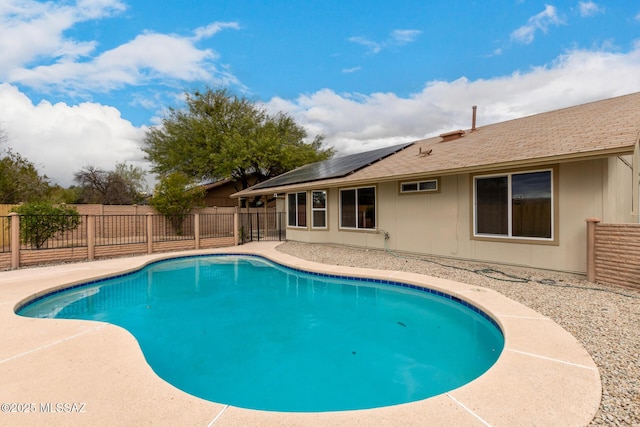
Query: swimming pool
point(247, 332)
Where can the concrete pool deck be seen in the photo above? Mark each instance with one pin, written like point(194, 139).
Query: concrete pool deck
point(72, 372)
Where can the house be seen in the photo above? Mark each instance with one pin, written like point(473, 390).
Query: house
point(516, 192)
point(217, 193)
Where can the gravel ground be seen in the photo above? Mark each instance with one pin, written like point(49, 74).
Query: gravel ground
point(604, 318)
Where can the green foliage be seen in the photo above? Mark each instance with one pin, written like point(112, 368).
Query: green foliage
point(20, 180)
point(39, 221)
point(71, 195)
point(123, 186)
point(175, 196)
point(219, 135)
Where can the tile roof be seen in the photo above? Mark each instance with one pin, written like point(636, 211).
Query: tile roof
point(596, 129)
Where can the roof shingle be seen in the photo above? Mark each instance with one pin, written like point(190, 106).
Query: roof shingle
point(596, 129)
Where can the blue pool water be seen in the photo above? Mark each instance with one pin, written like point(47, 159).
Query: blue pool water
point(243, 331)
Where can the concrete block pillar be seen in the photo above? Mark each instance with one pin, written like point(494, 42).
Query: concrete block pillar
point(149, 233)
point(91, 237)
point(591, 248)
point(236, 231)
point(196, 230)
point(15, 240)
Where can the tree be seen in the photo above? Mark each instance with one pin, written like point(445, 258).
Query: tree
point(20, 180)
point(123, 186)
point(41, 221)
point(175, 196)
point(219, 135)
point(71, 195)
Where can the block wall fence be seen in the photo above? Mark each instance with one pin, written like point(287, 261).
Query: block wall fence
point(613, 253)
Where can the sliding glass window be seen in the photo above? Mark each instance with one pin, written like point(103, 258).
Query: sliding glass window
point(358, 208)
point(518, 205)
point(297, 209)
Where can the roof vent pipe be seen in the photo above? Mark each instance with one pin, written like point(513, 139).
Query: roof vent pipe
point(473, 118)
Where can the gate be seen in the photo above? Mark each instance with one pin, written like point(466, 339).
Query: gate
point(257, 226)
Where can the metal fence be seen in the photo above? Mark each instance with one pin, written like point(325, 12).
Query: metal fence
point(257, 226)
point(216, 225)
point(89, 236)
point(172, 228)
point(39, 231)
point(111, 230)
point(5, 237)
point(43, 239)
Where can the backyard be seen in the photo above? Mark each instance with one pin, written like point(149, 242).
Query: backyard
point(603, 318)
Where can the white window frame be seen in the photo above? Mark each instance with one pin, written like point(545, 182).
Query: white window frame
point(297, 214)
point(314, 210)
point(418, 190)
point(509, 235)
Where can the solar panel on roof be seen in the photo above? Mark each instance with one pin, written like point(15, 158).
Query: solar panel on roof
point(332, 168)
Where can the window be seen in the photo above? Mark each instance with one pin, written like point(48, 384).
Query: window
point(297, 209)
point(319, 209)
point(419, 186)
point(516, 205)
point(358, 208)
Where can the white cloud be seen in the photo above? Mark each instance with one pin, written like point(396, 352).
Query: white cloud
point(61, 139)
point(355, 122)
point(372, 46)
point(351, 70)
point(95, 9)
point(404, 36)
point(147, 58)
point(540, 22)
point(589, 8)
point(214, 28)
point(396, 38)
point(33, 32)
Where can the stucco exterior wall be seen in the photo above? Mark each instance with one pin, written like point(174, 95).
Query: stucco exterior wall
point(618, 194)
point(441, 223)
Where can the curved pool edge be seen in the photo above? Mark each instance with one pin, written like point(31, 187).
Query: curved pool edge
point(543, 376)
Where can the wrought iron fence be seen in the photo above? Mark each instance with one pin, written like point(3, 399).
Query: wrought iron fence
point(216, 225)
point(5, 236)
point(171, 228)
point(113, 230)
point(53, 231)
point(41, 232)
point(258, 226)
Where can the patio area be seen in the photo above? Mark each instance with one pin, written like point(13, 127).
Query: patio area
point(87, 373)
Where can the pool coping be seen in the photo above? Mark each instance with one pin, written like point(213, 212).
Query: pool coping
point(73, 372)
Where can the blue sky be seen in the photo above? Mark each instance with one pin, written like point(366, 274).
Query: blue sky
point(82, 80)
